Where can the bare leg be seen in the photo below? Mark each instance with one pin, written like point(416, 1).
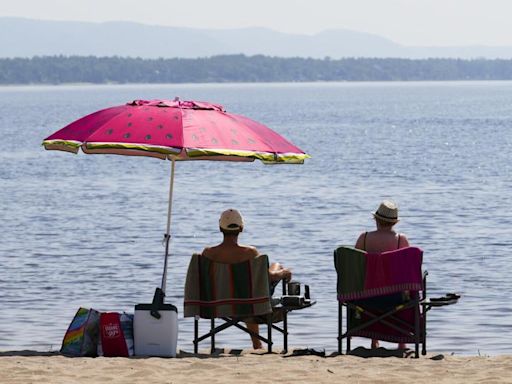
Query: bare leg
point(402, 346)
point(375, 343)
point(256, 343)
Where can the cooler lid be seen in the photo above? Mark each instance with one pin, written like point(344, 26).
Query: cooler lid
point(158, 307)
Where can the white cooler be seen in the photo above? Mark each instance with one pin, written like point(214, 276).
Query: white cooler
point(152, 336)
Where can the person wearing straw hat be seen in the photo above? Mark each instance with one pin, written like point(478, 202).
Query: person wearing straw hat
point(231, 224)
point(384, 238)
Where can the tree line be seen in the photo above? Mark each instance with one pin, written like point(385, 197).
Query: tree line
point(242, 68)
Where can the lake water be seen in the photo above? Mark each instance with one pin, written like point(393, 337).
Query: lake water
point(79, 230)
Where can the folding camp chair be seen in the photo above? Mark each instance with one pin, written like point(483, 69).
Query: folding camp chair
point(384, 296)
point(234, 293)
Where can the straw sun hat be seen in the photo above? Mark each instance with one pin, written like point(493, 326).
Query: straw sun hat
point(387, 211)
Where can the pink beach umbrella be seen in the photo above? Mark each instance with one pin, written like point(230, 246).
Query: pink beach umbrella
point(175, 130)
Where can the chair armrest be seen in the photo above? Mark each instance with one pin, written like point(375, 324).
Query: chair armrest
point(424, 293)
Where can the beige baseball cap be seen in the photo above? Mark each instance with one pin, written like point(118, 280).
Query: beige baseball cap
point(231, 220)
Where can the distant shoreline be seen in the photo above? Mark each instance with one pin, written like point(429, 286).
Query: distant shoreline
point(55, 70)
point(259, 83)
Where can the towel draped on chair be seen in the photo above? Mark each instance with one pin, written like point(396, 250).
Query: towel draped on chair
point(215, 289)
point(379, 283)
point(363, 275)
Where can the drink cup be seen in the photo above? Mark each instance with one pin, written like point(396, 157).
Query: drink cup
point(294, 288)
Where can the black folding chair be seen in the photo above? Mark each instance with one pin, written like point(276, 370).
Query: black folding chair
point(394, 308)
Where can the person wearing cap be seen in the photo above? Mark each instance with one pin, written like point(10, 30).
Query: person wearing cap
point(231, 224)
point(384, 238)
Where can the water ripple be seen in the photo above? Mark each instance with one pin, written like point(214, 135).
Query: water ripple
point(87, 230)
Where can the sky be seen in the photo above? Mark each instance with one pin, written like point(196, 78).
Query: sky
point(408, 22)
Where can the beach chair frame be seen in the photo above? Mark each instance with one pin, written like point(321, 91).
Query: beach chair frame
point(193, 305)
point(235, 322)
point(416, 333)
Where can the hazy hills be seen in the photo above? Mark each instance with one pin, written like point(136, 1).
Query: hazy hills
point(26, 38)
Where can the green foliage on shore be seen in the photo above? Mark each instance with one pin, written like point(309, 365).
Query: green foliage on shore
point(241, 68)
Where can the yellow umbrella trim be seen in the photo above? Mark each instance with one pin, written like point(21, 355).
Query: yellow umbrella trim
point(266, 157)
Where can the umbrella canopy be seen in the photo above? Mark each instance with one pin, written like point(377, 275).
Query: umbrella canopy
point(175, 130)
point(180, 130)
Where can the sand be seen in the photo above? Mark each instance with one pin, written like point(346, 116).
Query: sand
point(250, 367)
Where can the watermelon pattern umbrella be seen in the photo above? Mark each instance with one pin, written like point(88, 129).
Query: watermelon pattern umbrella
point(175, 130)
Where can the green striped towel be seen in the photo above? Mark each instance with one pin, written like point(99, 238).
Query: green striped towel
point(227, 290)
point(350, 264)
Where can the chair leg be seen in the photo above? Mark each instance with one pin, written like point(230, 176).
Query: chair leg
point(269, 333)
point(196, 334)
point(340, 331)
point(285, 332)
point(417, 331)
point(212, 327)
point(285, 321)
point(424, 313)
point(424, 333)
point(348, 328)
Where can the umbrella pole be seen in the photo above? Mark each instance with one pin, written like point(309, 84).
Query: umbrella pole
point(167, 236)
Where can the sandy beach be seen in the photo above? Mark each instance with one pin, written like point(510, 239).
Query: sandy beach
point(250, 367)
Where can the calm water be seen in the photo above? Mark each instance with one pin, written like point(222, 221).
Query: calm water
point(87, 230)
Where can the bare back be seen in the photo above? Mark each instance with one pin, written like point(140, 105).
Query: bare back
point(381, 241)
point(230, 253)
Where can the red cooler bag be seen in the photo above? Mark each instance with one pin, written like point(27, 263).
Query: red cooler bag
point(113, 342)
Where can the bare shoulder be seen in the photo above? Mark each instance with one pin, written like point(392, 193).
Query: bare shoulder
point(361, 236)
point(404, 241)
point(250, 251)
point(207, 251)
point(403, 236)
point(360, 241)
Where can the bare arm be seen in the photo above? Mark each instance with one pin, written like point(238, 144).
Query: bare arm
point(360, 241)
point(276, 272)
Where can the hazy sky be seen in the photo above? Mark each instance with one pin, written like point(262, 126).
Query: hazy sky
point(410, 22)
